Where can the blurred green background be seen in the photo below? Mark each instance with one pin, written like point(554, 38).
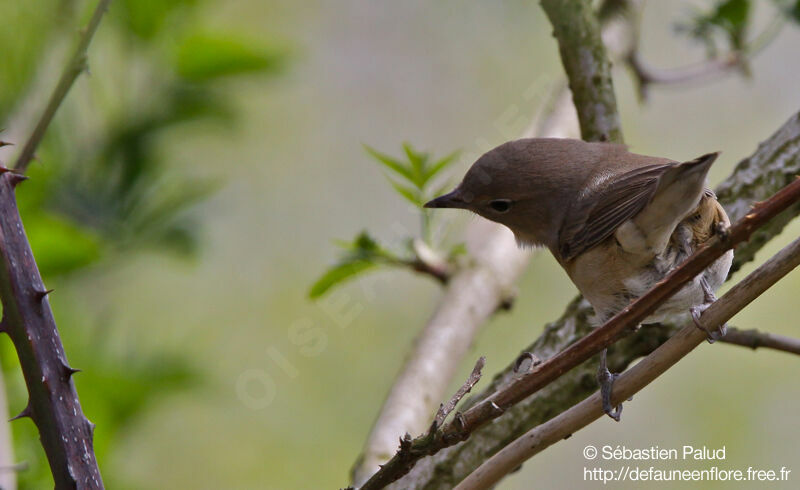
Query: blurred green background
point(186, 197)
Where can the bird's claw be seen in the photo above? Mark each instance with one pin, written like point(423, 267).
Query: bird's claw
point(606, 379)
point(711, 335)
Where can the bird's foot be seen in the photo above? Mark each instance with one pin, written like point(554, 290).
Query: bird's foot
point(606, 379)
point(711, 335)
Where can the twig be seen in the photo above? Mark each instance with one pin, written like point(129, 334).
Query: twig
point(446, 408)
point(74, 68)
point(755, 339)
point(636, 378)
point(645, 75)
point(589, 345)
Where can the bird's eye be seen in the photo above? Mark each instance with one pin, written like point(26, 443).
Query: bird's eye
point(500, 205)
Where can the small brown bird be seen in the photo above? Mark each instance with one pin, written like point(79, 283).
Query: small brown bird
point(617, 222)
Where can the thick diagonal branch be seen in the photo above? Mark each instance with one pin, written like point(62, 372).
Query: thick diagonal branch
point(53, 404)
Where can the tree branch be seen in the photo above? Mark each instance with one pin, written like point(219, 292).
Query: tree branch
point(755, 339)
point(636, 378)
point(583, 54)
point(74, 68)
point(53, 405)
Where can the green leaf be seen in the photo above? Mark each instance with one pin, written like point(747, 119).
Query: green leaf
point(59, 245)
point(412, 195)
point(390, 163)
point(732, 16)
point(440, 165)
point(418, 162)
point(362, 253)
point(732, 12)
point(146, 18)
point(205, 56)
point(365, 243)
point(338, 274)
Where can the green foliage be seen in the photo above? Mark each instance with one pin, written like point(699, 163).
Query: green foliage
point(728, 19)
point(418, 173)
point(413, 180)
point(361, 254)
point(146, 18)
point(61, 245)
point(206, 56)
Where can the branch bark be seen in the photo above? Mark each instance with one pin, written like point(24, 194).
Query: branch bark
point(53, 405)
point(636, 378)
point(588, 69)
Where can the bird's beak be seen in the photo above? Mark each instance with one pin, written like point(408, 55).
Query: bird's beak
point(451, 200)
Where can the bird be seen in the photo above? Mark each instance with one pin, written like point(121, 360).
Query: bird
point(617, 222)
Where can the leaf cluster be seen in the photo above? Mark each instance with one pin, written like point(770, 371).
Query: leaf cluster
point(414, 179)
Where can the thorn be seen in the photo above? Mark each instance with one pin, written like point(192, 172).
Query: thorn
point(26, 412)
point(42, 293)
point(405, 442)
point(5, 143)
point(69, 370)
point(16, 178)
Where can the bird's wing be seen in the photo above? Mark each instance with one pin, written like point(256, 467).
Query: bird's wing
point(600, 211)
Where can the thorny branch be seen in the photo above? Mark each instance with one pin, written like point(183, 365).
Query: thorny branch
point(53, 405)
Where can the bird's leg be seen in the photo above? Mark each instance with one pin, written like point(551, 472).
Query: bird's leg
point(606, 379)
point(696, 311)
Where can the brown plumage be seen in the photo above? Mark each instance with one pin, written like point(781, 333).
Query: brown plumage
point(617, 222)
